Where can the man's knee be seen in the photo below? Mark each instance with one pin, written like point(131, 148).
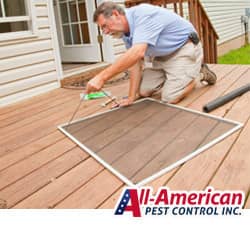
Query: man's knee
point(152, 81)
point(146, 93)
point(177, 95)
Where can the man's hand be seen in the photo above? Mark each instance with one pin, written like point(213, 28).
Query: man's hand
point(95, 84)
point(124, 102)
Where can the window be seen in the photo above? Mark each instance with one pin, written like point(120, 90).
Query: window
point(14, 16)
point(74, 22)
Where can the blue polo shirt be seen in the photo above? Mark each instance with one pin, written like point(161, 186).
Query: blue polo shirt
point(163, 30)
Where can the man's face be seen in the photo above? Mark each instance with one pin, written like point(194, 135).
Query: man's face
point(111, 26)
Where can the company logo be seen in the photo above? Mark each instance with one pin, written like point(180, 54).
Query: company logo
point(141, 201)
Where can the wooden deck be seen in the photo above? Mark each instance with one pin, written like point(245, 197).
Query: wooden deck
point(41, 168)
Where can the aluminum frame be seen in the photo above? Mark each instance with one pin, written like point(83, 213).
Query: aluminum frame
point(238, 125)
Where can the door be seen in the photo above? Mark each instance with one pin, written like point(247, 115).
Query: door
point(78, 35)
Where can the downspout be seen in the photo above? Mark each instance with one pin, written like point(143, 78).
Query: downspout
point(244, 20)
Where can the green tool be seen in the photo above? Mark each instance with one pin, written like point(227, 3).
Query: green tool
point(95, 95)
point(91, 96)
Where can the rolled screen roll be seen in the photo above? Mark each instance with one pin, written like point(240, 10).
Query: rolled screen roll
point(226, 98)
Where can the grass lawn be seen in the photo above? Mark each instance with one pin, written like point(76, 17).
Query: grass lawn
point(238, 56)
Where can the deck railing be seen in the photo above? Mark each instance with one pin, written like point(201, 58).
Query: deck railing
point(196, 14)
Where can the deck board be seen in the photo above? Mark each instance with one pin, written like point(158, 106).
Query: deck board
point(64, 186)
point(234, 172)
point(43, 176)
point(29, 133)
point(41, 168)
point(89, 195)
point(25, 167)
point(39, 107)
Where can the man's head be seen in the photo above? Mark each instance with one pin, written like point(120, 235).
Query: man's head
point(111, 18)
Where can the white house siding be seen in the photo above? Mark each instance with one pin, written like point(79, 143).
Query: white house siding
point(225, 16)
point(28, 66)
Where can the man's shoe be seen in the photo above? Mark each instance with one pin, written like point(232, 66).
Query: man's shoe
point(207, 75)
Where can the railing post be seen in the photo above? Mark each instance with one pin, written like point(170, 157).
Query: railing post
point(175, 8)
point(191, 11)
point(206, 46)
point(180, 8)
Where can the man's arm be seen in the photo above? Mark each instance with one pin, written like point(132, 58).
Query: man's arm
point(128, 59)
point(134, 86)
point(135, 80)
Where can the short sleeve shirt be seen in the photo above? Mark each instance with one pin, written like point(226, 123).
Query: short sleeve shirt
point(163, 30)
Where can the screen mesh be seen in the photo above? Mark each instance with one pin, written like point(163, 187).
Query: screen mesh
point(148, 138)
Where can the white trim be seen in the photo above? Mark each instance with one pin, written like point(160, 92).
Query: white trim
point(79, 23)
point(3, 9)
point(14, 19)
point(238, 125)
point(59, 23)
point(32, 13)
point(74, 72)
point(70, 26)
point(89, 19)
point(55, 41)
point(76, 45)
point(16, 35)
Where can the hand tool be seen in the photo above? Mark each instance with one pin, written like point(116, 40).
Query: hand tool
point(82, 97)
point(110, 97)
point(104, 104)
point(77, 108)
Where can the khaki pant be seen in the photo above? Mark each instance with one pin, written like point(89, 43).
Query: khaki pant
point(174, 72)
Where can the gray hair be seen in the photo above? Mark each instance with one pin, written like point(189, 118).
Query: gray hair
point(106, 9)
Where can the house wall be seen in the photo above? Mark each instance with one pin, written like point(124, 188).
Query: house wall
point(28, 66)
point(226, 19)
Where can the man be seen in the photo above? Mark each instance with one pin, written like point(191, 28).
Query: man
point(166, 38)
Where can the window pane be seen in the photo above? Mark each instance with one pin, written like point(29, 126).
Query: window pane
point(73, 11)
point(82, 10)
point(13, 27)
point(66, 34)
point(64, 13)
point(76, 34)
point(15, 8)
point(1, 14)
point(85, 33)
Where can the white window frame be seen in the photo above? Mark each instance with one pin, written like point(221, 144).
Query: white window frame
point(30, 18)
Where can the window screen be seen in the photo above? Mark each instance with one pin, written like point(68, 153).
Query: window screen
point(149, 138)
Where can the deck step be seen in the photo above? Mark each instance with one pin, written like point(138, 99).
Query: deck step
point(77, 77)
